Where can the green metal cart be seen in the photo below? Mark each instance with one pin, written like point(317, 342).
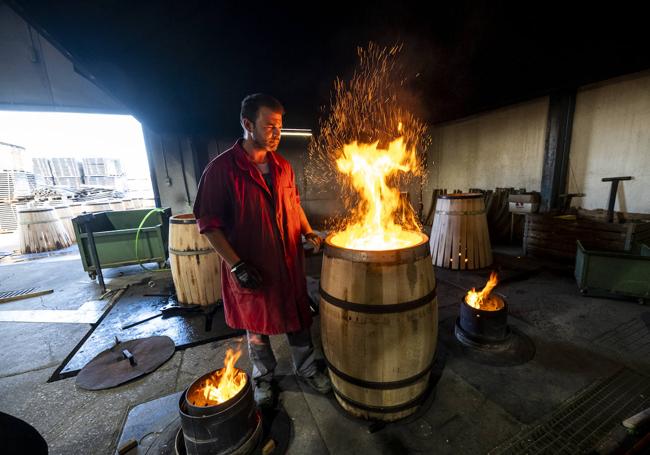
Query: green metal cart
point(613, 273)
point(114, 235)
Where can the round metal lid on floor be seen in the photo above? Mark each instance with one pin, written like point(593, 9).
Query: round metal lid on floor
point(125, 361)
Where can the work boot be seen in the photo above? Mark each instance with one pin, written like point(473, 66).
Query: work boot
point(320, 382)
point(263, 394)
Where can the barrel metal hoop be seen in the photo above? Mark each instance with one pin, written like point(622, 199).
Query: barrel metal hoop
point(378, 309)
point(383, 409)
point(191, 252)
point(182, 220)
point(379, 385)
point(460, 212)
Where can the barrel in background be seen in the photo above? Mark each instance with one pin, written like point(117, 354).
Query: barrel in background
point(459, 236)
point(196, 267)
point(40, 229)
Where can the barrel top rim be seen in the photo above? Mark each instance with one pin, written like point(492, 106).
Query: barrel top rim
point(183, 218)
point(216, 407)
point(395, 256)
point(460, 196)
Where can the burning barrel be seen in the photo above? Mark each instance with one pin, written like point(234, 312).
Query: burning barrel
point(218, 413)
point(483, 319)
point(379, 325)
point(459, 235)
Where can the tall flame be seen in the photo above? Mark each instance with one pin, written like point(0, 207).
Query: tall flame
point(374, 227)
point(221, 385)
point(482, 300)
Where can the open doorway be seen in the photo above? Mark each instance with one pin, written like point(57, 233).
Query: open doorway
point(61, 157)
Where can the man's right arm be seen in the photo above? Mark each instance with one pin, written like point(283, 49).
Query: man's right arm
point(222, 246)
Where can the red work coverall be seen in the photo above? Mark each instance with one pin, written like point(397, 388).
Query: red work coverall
point(263, 227)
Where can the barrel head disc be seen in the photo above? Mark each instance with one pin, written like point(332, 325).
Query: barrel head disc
point(111, 367)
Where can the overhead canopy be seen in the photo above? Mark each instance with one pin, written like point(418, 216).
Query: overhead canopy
point(185, 66)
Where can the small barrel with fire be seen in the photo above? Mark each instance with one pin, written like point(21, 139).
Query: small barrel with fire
point(218, 412)
point(483, 319)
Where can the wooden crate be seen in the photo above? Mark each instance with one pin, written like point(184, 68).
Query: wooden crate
point(552, 237)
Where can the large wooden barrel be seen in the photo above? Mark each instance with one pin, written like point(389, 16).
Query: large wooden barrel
point(379, 328)
point(41, 230)
point(459, 236)
point(148, 203)
point(128, 204)
point(64, 212)
point(196, 267)
point(98, 206)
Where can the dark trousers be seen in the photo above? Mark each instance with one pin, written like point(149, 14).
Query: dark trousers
point(263, 359)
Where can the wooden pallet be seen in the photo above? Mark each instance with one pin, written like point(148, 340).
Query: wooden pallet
point(547, 236)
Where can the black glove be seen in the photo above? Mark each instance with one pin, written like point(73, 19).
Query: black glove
point(315, 240)
point(247, 276)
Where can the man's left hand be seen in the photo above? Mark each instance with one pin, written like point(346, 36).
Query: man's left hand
point(315, 240)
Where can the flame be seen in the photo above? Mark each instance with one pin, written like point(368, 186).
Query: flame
point(221, 385)
point(482, 300)
point(374, 226)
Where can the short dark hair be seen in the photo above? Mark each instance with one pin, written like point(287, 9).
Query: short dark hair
point(251, 105)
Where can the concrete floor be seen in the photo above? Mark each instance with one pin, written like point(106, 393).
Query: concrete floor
point(477, 405)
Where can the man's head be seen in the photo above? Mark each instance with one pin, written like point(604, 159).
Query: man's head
point(261, 118)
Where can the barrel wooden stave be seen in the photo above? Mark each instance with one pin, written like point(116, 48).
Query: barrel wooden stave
point(196, 267)
point(41, 230)
point(459, 236)
point(64, 212)
point(378, 348)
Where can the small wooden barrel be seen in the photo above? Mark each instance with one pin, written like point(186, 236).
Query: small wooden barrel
point(98, 206)
point(379, 328)
point(116, 205)
point(196, 267)
point(459, 236)
point(64, 212)
point(41, 230)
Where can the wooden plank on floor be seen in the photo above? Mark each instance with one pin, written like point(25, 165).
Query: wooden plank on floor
point(11, 296)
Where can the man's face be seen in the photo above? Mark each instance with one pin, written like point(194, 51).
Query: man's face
point(266, 129)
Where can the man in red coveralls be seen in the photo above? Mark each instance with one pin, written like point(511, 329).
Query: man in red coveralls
point(249, 209)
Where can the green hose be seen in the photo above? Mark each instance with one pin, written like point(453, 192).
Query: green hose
point(137, 235)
